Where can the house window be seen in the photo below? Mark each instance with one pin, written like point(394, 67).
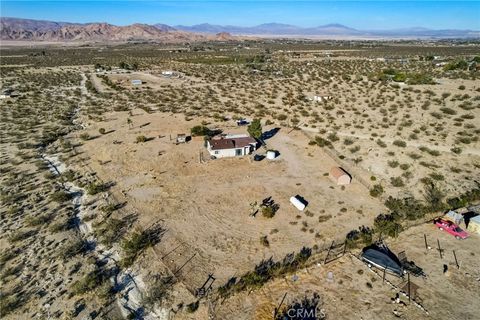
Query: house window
point(238, 152)
point(216, 152)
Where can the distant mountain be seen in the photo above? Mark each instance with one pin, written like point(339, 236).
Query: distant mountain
point(328, 30)
point(427, 33)
point(164, 27)
point(38, 30)
point(270, 29)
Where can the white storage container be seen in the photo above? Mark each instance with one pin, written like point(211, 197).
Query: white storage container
point(297, 203)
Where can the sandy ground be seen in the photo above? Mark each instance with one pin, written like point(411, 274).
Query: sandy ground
point(206, 206)
point(356, 292)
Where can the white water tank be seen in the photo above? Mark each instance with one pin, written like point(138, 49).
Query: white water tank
point(297, 203)
point(271, 154)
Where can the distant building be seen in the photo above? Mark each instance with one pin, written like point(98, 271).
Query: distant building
point(168, 73)
point(340, 176)
point(8, 93)
point(474, 224)
point(231, 145)
point(136, 82)
point(181, 138)
point(322, 98)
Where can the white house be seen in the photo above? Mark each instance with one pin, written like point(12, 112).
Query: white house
point(7, 93)
point(168, 73)
point(136, 82)
point(231, 145)
point(322, 98)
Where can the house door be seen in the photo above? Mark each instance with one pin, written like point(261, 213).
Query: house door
point(238, 152)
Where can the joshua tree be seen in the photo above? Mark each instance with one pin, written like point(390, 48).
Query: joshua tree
point(255, 129)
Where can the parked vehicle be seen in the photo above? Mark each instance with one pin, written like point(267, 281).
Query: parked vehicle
point(451, 228)
point(410, 266)
point(380, 256)
point(258, 157)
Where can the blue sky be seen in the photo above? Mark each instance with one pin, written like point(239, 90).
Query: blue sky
point(357, 14)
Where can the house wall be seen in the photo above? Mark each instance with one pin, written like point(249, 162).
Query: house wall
point(225, 153)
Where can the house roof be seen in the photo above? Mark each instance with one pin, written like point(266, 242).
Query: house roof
point(337, 172)
point(231, 143)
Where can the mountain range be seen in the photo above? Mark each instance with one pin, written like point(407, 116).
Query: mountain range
point(39, 30)
point(334, 29)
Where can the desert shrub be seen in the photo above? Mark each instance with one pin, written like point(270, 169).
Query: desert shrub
point(332, 137)
point(363, 236)
point(400, 143)
point(85, 136)
point(376, 190)
point(137, 243)
point(386, 224)
point(305, 308)
point(409, 208)
point(141, 139)
point(264, 271)
point(110, 231)
point(381, 143)
point(96, 187)
point(68, 175)
point(192, 307)
point(102, 130)
point(264, 241)
point(159, 290)
point(449, 111)
point(200, 131)
point(9, 302)
point(321, 142)
point(397, 182)
point(33, 221)
point(90, 281)
point(60, 196)
point(433, 197)
point(437, 176)
point(393, 163)
point(20, 235)
point(465, 198)
point(72, 248)
point(419, 78)
point(268, 212)
point(457, 64)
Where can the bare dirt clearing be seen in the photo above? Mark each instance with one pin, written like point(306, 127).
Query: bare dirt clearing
point(206, 205)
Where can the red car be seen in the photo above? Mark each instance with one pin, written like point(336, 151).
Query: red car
point(451, 228)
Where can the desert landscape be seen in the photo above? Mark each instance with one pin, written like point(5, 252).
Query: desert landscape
point(113, 206)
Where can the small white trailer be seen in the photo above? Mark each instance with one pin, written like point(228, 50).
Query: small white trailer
point(298, 202)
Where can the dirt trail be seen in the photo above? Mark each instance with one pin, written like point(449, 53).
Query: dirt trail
point(128, 284)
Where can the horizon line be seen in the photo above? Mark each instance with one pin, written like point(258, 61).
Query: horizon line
point(239, 26)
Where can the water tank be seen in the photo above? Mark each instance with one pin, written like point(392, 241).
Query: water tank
point(271, 154)
point(297, 203)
